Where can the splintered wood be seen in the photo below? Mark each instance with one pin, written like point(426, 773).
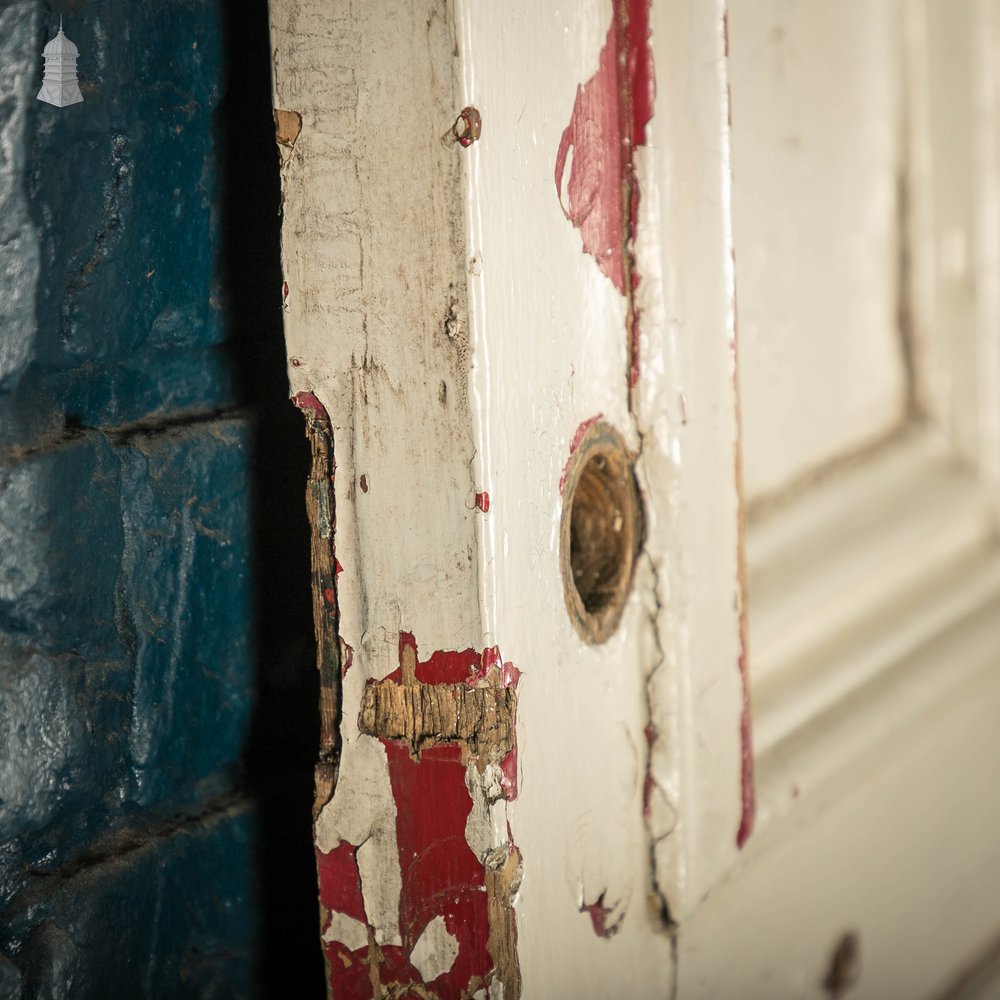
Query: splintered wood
point(424, 715)
point(320, 506)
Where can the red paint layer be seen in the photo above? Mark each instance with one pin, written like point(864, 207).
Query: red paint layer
point(509, 676)
point(349, 975)
point(599, 914)
point(748, 803)
point(307, 402)
point(445, 666)
point(483, 501)
point(468, 126)
point(340, 881)
point(647, 794)
point(363, 483)
point(575, 443)
point(346, 657)
point(441, 876)
point(491, 658)
point(641, 81)
point(508, 771)
point(591, 195)
point(609, 119)
point(600, 195)
point(640, 91)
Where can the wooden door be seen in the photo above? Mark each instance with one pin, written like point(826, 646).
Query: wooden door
point(511, 315)
point(864, 221)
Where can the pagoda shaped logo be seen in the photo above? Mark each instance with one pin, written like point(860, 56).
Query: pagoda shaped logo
point(59, 84)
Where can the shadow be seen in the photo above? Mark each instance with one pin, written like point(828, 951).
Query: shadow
point(284, 739)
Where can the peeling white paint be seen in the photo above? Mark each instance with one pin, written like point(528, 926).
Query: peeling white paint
point(486, 827)
point(688, 463)
point(373, 246)
point(549, 340)
point(435, 951)
point(374, 311)
point(363, 813)
point(343, 928)
point(377, 308)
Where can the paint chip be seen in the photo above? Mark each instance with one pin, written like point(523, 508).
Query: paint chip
point(594, 160)
point(287, 126)
point(606, 922)
point(435, 951)
point(351, 933)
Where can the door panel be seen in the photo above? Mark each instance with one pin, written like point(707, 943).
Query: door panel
point(873, 584)
point(817, 150)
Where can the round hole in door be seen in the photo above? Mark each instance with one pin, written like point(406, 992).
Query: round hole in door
point(601, 532)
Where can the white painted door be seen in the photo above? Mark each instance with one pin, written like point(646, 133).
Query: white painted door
point(865, 229)
point(511, 315)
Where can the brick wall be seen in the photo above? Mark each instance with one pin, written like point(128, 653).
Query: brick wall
point(129, 445)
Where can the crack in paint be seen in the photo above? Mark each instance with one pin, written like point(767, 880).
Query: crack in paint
point(748, 802)
point(595, 177)
point(652, 735)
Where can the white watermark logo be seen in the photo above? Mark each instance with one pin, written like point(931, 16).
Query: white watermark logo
point(59, 84)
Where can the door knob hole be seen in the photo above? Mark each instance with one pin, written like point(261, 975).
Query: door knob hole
point(601, 532)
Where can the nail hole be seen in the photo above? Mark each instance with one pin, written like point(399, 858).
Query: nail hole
point(601, 532)
point(468, 126)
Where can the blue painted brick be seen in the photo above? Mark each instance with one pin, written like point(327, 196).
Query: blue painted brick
point(65, 774)
point(184, 600)
point(125, 668)
point(124, 573)
point(121, 391)
point(11, 980)
point(172, 918)
point(60, 547)
point(19, 253)
point(44, 752)
point(123, 190)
